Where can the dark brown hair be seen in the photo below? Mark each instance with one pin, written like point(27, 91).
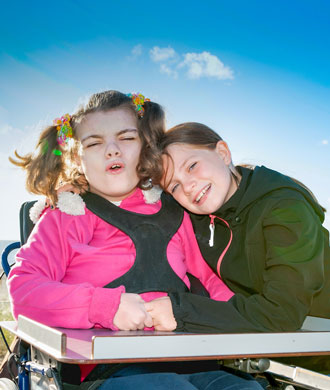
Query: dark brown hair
point(46, 170)
point(190, 133)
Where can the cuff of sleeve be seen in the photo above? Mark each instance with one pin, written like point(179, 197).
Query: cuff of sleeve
point(177, 312)
point(104, 306)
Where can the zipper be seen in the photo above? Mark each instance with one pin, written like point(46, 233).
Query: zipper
point(211, 240)
point(212, 228)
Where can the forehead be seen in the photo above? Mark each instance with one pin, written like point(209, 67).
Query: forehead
point(107, 122)
point(180, 152)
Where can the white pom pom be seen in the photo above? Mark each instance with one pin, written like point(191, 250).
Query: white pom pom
point(71, 204)
point(36, 210)
point(153, 195)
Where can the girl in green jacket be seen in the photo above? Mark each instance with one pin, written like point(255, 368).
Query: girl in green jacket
point(259, 230)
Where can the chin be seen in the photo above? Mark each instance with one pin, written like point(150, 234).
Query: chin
point(210, 209)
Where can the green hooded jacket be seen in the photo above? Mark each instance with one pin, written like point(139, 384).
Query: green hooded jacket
point(277, 263)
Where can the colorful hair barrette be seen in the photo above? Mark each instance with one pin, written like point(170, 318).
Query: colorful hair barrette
point(64, 131)
point(138, 100)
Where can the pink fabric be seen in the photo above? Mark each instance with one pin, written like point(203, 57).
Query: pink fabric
point(60, 272)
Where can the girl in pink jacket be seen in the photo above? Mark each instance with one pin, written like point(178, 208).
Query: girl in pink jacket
point(95, 260)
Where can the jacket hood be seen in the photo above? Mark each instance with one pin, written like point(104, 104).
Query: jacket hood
point(263, 181)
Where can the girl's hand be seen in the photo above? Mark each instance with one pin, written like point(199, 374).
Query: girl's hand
point(131, 313)
point(161, 312)
point(67, 188)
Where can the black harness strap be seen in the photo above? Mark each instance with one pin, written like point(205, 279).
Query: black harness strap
point(151, 235)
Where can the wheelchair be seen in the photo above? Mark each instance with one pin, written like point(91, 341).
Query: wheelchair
point(46, 358)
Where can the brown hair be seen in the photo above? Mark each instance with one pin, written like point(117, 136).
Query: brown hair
point(46, 170)
point(195, 134)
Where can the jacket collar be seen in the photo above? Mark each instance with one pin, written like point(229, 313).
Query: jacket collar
point(235, 200)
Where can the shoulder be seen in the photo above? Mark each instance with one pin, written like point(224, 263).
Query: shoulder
point(283, 207)
point(70, 209)
point(68, 203)
point(285, 198)
point(291, 208)
point(55, 223)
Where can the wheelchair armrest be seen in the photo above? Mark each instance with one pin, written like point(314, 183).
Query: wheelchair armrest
point(5, 254)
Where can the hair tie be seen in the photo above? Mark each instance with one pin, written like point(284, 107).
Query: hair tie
point(138, 100)
point(64, 131)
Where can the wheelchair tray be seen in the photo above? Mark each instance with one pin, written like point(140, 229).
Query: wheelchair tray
point(86, 346)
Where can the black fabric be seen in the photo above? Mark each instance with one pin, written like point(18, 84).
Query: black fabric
point(150, 235)
point(70, 373)
point(278, 264)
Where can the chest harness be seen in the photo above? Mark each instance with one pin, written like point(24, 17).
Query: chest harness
point(151, 235)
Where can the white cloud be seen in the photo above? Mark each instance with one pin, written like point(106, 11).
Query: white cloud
point(167, 70)
point(158, 54)
point(197, 65)
point(137, 51)
point(206, 64)
point(325, 142)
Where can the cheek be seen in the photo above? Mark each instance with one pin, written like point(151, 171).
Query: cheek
point(87, 165)
point(222, 175)
point(180, 197)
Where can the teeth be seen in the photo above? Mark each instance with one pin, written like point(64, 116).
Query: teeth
point(202, 193)
point(115, 166)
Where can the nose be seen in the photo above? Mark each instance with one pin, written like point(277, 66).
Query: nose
point(113, 149)
point(188, 186)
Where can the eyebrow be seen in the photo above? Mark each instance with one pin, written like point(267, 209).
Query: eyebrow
point(99, 136)
point(185, 162)
point(169, 182)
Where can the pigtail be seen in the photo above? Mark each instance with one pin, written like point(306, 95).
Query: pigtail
point(151, 130)
point(44, 167)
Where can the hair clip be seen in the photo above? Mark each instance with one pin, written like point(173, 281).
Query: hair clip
point(138, 100)
point(64, 131)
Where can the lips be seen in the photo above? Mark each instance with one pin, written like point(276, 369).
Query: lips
point(115, 167)
point(201, 195)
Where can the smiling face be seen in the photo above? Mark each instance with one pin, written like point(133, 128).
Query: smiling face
point(199, 178)
point(109, 153)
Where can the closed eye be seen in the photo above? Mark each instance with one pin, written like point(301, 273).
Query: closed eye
point(92, 144)
point(192, 166)
point(174, 188)
point(128, 139)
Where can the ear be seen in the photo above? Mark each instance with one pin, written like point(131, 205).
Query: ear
point(223, 150)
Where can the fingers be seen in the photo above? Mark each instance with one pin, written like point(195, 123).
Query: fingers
point(149, 306)
point(131, 313)
point(148, 322)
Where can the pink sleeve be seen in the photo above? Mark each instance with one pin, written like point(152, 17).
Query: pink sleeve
point(35, 282)
point(197, 266)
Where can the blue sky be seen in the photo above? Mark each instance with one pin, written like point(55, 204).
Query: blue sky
point(255, 71)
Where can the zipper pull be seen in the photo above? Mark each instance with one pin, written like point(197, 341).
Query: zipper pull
point(212, 228)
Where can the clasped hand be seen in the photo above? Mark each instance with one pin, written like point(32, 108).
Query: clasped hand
point(134, 313)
